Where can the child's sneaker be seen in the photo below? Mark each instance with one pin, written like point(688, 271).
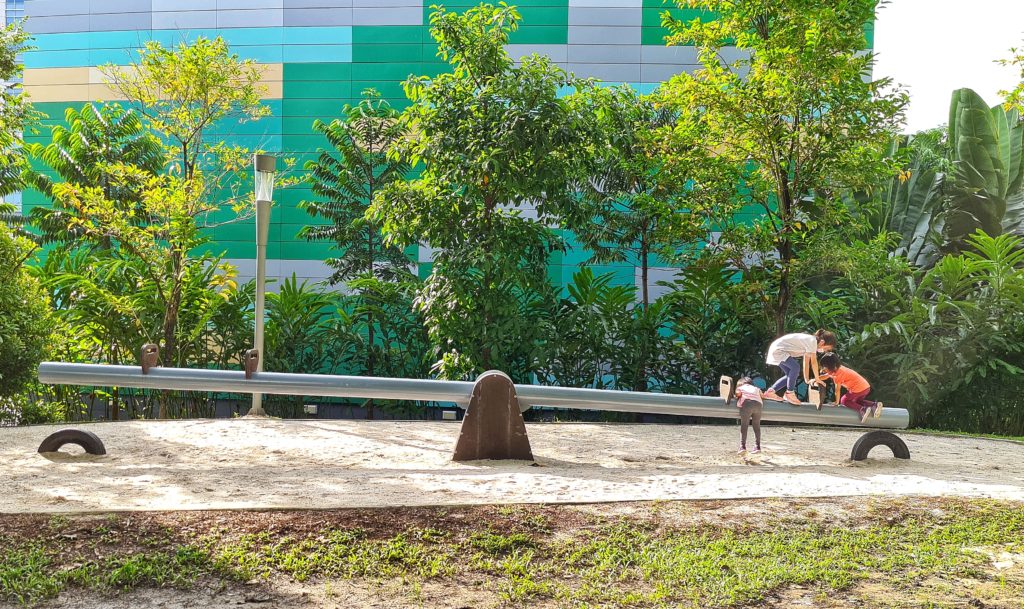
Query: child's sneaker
point(742, 450)
point(791, 398)
point(878, 409)
point(771, 395)
point(757, 449)
point(865, 414)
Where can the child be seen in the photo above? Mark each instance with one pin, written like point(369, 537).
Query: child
point(857, 388)
point(784, 353)
point(748, 400)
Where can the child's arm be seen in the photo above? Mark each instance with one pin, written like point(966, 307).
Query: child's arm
point(807, 374)
point(814, 366)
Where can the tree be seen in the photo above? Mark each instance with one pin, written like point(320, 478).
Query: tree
point(633, 210)
point(185, 91)
point(25, 316)
point(16, 112)
point(348, 180)
point(182, 92)
point(81, 153)
point(1015, 98)
point(345, 181)
point(633, 206)
point(798, 111)
point(492, 137)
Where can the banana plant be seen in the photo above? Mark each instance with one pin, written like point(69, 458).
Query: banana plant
point(913, 202)
point(956, 181)
point(986, 144)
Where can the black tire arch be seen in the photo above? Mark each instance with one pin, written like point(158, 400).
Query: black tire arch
point(89, 441)
point(875, 438)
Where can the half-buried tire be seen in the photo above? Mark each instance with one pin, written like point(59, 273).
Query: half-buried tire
point(86, 439)
point(872, 439)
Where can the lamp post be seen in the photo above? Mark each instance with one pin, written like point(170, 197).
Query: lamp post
point(265, 166)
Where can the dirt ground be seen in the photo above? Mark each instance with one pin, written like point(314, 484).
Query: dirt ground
point(477, 592)
point(279, 464)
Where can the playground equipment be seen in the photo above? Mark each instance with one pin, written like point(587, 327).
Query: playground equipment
point(493, 427)
point(89, 441)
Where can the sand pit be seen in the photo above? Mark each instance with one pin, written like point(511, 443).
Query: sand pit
point(268, 463)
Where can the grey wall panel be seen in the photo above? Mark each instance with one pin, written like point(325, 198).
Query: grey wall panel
point(111, 22)
point(183, 5)
point(669, 55)
point(559, 53)
point(604, 35)
point(731, 54)
point(249, 5)
point(392, 4)
point(613, 72)
point(604, 53)
point(57, 25)
point(318, 3)
point(406, 15)
point(660, 72)
point(184, 20)
point(604, 16)
point(266, 17)
point(55, 8)
point(120, 6)
point(607, 3)
point(317, 16)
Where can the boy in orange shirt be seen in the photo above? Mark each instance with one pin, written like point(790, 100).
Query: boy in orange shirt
point(857, 387)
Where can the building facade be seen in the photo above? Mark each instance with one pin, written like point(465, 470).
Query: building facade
point(316, 56)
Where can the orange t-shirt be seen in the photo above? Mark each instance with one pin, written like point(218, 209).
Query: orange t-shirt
point(853, 382)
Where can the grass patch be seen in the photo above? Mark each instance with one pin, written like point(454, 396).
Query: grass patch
point(624, 561)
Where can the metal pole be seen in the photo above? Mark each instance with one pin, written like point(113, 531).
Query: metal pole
point(459, 392)
point(262, 233)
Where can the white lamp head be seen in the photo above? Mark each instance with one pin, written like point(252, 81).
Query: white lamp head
point(265, 166)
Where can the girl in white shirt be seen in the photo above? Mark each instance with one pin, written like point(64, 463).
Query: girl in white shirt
point(785, 353)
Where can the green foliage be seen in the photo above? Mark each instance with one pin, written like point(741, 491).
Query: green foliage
point(987, 145)
point(16, 112)
point(623, 562)
point(632, 208)
point(961, 324)
point(397, 344)
point(82, 153)
point(584, 330)
point(183, 91)
point(1014, 98)
point(910, 204)
point(797, 110)
point(299, 320)
point(347, 179)
point(492, 136)
point(25, 316)
point(716, 325)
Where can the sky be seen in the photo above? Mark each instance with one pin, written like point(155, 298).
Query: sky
point(934, 47)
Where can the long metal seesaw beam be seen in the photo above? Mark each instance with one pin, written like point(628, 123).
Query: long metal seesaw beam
point(459, 392)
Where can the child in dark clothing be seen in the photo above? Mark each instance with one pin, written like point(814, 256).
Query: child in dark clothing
point(749, 401)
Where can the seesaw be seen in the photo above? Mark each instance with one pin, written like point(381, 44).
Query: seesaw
point(493, 426)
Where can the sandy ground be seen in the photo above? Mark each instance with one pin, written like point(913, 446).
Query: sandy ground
point(253, 464)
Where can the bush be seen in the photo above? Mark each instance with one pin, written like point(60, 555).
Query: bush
point(25, 410)
point(25, 316)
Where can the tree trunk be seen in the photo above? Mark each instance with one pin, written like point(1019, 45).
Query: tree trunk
point(786, 256)
point(170, 324)
point(369, 264)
